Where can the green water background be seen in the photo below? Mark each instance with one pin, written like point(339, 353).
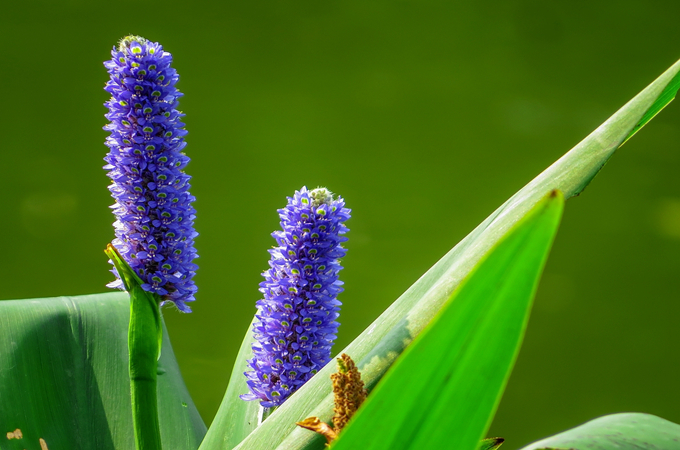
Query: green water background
point(425, 116)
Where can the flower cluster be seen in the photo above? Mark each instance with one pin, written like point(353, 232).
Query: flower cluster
point(155, 218)
point(296, 320)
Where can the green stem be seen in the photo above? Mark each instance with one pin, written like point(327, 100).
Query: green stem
point(145, 335)
point(144, 348)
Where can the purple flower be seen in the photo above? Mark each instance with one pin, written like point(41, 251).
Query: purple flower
point(296, 320)
point(154, 217)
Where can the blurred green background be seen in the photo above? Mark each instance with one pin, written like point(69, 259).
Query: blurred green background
point(425, 116)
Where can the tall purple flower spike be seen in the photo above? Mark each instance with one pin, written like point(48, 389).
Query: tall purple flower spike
point(296, 320)
point(154, 216)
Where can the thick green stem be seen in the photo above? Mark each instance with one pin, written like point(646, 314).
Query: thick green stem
point(145, 335)
point(144, 348)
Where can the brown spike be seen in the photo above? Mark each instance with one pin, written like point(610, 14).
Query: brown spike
point(348, 390)
point(349, 393)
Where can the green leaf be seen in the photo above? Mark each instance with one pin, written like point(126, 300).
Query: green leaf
point(664, 99)
point(626, 431)
point(490, 443)
point(236, 418)
point(64, 377)
point(444, 390)
point(127, 275)
point(380, 344)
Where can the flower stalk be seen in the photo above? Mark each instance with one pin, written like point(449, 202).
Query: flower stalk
point(145, 334)
point(153, 251)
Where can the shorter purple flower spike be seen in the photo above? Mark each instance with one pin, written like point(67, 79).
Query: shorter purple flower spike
point(296, 320)
point(154, 214)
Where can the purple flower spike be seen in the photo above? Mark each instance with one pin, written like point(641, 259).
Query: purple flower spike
point(154, 216)
point(296, 321)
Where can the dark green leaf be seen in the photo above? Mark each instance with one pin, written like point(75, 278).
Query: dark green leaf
point(64, 377)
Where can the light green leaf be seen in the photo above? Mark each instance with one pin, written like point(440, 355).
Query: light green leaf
point(664, 99)
point(236, 418)
point(625, 431)
point(444, 390)
point(380, 344)
point(64, 377)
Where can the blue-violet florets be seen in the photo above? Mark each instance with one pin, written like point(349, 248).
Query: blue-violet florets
point(296, 322)
point(154, 214)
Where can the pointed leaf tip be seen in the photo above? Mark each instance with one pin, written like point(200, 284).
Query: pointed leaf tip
point(127, 275)
point(571, 174)
point(454, 372)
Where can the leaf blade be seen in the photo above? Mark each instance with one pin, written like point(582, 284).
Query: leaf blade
point(474, 341)
point(624, 431)
point(235, 418)
point(64, 376)
point(667, 96)
point(383, 341)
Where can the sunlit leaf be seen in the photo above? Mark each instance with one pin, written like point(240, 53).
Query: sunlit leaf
point(380, 344)
point(236, 418)
point(444, 390)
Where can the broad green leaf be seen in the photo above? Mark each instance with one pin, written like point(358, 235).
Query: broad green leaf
point(380, 344)
point(625, 431)
point(64, 377)
point(444, 390)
